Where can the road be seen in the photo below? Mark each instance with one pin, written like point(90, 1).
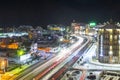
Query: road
point(54, 61)
point(80, 55)
point(92, 65)
point(87, 57)
point(67, 60)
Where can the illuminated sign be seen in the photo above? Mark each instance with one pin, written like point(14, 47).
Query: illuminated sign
point(92, 24)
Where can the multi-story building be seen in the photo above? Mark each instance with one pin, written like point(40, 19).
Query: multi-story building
point(78, 27)
point(109, 44)
point(75, 27)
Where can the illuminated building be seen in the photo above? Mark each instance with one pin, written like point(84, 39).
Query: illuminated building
point(56, 27)
point(78, 27)
point(75, 27)
point(3, 64)
point(59, 30)
point(109, 44)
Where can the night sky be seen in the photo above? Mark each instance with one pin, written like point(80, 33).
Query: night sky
point(44, 12)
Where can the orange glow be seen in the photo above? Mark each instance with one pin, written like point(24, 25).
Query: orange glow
point(47, 49)
point(9, 46)
point(66, 41)
point(13, 46)
point(2, 45)
point(77, 27)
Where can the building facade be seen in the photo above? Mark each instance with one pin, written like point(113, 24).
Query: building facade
point(109, 44)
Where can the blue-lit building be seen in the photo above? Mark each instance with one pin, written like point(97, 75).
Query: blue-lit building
point(109, 44)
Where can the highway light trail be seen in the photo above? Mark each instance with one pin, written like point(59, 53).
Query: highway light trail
point(53, 61)
point(57, 75)
point(59, 60)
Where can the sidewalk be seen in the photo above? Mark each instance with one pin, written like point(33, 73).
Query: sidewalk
point(14, 72)
point(96, 62)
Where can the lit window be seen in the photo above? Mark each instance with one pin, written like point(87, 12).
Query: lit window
point(111, 37)
point(115, 37)
point(110, 52)
point(119, 41)
point(110, 47)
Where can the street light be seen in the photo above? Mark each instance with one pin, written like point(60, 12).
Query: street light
point(3, 65)
point(20, 52)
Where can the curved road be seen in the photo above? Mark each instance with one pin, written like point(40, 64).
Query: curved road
point(56, 60)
